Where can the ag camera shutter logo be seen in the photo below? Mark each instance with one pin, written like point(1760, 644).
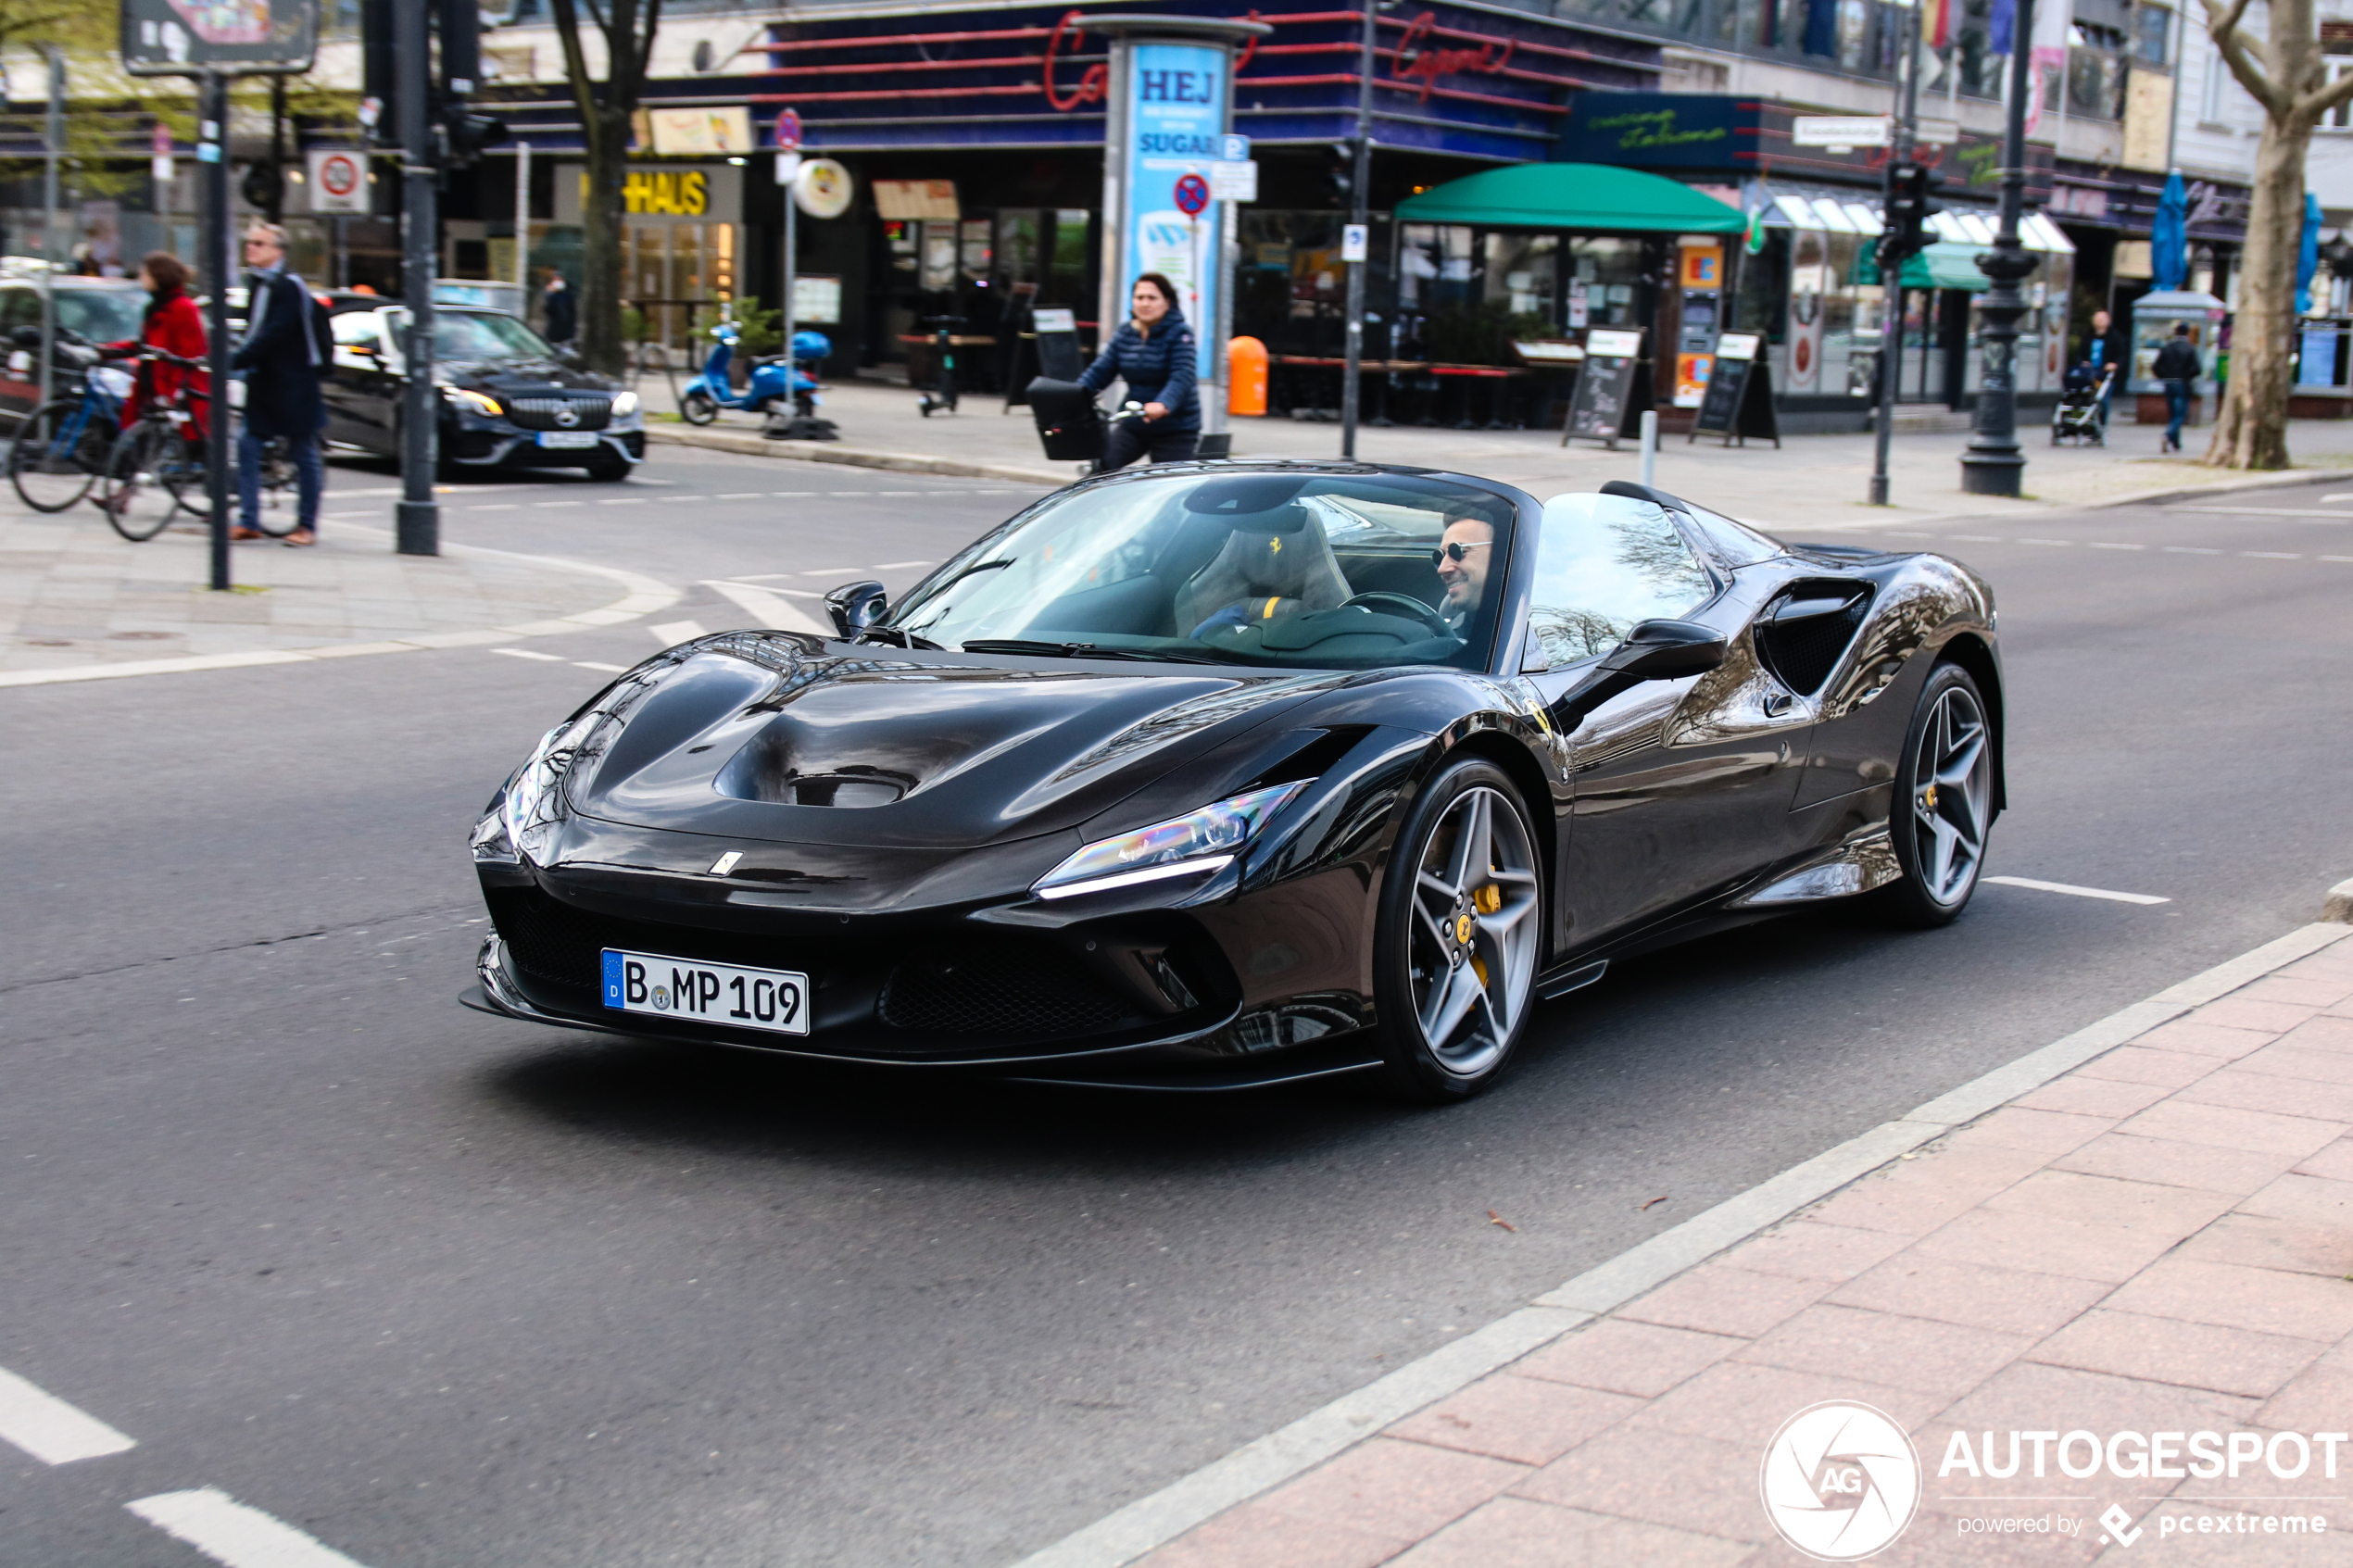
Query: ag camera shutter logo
point(1840, 1481)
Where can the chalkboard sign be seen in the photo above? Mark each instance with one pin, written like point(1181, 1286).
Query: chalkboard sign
point(1740, 394)
point(1613, 390)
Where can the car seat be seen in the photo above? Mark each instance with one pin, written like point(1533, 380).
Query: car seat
point(1275, 562)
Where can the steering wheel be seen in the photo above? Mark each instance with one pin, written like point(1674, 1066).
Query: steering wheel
point(1407, 603)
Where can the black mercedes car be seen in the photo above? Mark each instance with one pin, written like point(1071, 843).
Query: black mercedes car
point(509, 398)
point(1220, 774)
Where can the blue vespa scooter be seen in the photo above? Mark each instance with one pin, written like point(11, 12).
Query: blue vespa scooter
point(777, 386)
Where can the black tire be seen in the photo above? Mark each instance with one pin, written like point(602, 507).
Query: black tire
point(1446, 962)
point(610, 471)
point(57, 454)
point(137, 501)
point(698, 408)
point(1944, 805)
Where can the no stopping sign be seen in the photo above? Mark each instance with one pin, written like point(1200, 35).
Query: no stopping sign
point(1192, 194)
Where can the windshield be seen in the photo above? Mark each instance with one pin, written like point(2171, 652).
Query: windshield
point(480, 335)
point(1348, 570)
point(102, 315)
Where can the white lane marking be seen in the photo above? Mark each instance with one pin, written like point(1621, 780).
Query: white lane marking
point(758, 576)
point(345, 516)
point(388, 490)
point(848, 491)
point(835, 572)
point(2340, 496)
point(1979, 538)
point(794, 494)
point(2188, 550)
point(2070, 888)
point(900, 565)
point(671, 633)
point(740, 496)
point(498, 507)
point(773, 588)
point(229, 1531)
point(766, 608)
point(543, 505)
point(2112, 544)
point(906, 492)
point(2046, 540)
point(624, 501)
point(526, 653)
point(48, 1429)
point(2333, 557)
point(1905, 534)
point(2271, 555)
point(592, 664)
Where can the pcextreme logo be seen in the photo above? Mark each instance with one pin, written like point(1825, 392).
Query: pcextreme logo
point(1840, 1481)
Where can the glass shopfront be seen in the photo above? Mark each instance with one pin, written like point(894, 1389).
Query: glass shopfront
point(681, 244)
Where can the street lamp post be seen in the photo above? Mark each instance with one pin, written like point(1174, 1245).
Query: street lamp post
point(1361, 217)
point(1891, 263)
point(1994, 465)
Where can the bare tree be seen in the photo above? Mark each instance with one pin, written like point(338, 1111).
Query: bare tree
point(2283, 72)
point(607, 110)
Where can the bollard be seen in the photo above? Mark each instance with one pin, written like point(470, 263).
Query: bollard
point(1650, 447)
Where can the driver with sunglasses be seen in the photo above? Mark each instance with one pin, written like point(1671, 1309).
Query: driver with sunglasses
point(1465, 552)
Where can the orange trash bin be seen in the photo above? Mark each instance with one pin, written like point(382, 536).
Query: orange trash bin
point(1246, 376)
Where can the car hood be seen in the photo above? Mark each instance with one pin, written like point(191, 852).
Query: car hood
point(787, 738)
point(520, 375)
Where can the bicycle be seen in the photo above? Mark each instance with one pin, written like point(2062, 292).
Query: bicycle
point(158, 465)
point(61, 448)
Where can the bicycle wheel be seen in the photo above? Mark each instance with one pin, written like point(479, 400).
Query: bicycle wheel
point(59, 450)
point(182, 470)
point(135, 499)
point(278, 512)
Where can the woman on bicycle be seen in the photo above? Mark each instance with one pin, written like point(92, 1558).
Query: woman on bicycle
point(1154, 353)
point(174, 324)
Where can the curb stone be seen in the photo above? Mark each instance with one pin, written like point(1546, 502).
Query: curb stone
point(2228, 487)
point(1153, 1521)
point(852, 457)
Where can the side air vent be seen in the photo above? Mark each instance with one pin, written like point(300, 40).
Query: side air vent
point(1802, 634)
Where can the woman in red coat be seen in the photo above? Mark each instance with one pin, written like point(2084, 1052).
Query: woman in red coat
point(175, 325)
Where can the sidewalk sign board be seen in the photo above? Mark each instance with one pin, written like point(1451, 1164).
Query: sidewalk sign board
point(1059, 356)
point(1613, 390)
point(1740, 394)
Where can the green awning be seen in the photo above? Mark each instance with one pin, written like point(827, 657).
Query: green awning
point(1947, 264)
point(1587, 198)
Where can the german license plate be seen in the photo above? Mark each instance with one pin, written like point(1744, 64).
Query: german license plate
point(567, 439)
point(773, 999)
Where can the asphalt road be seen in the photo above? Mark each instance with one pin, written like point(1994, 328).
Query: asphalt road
point(448, 1290)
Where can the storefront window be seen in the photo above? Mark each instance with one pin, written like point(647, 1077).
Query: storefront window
point(1521, 275)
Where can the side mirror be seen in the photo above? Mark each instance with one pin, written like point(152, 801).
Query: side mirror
point(1667, 650)
point(1654, 650)
point(855, 606)
point(26, 337)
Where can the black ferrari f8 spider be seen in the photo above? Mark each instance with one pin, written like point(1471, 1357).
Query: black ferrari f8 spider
point(1220, 774)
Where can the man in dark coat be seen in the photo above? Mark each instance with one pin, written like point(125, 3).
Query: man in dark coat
point(563, 311)
point(281, 355)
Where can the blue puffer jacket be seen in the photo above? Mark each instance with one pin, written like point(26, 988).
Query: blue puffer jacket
point(1159, 368)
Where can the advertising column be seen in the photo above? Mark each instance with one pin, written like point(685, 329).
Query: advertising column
point(1175, 131)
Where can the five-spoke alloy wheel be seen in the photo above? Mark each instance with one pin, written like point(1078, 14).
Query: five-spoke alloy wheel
point(1944, 801)
point(1461, 934)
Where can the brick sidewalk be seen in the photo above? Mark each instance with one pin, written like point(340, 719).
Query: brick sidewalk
point(2159, 1240)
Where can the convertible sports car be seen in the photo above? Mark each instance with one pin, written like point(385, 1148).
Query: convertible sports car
point(1219, 775)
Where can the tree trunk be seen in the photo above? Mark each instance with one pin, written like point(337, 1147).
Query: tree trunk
point(2251, 429)
point(604, 273)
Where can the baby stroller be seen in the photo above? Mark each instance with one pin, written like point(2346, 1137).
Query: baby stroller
point(2081, 414)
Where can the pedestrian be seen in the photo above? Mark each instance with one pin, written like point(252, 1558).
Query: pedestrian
point(174, 324)
point(563, 311)
point(282, 351)
point(1153, 351)
point(2177, 366)
point(2099, 352)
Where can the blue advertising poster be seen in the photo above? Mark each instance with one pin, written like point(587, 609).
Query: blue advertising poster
point(1176, 128)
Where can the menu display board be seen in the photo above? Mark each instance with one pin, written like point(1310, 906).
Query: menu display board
point(1739, 393)
point(1613, 390)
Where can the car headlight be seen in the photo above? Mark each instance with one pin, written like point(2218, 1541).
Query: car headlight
point(624, 405)
point(1201, 840)
point(531, 808)
point(480, 402)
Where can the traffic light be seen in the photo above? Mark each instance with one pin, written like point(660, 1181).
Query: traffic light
point(1911, 202)
point(378, 66)
point(264, 186)
point(466, 133)
point(1342, 175)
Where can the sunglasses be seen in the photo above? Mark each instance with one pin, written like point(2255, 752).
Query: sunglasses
point(1456, 551)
